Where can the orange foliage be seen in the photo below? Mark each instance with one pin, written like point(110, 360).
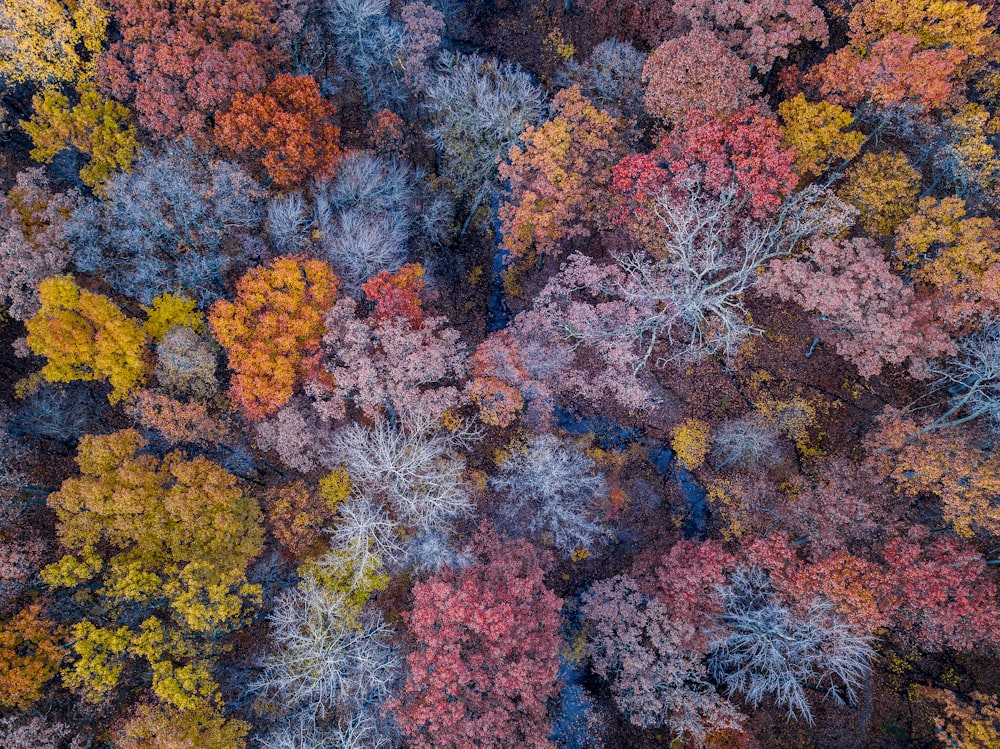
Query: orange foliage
point(177, 421)
point(29, 656)
point(272, 331)
point(287, 127)
point(397, 294)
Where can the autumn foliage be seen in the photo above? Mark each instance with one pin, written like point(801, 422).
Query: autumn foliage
point(287, 127)
point(272, 330)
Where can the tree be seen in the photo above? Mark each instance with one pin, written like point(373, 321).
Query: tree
point(478, 110)
point(272, 331)
point(817, 133)
point(769, 651)
point(485, 653)
point(391, 368)
point(186, 364)
point(161, 547)
point(656, 679)
point(176, 421)
point(324, 660)
point(883, 187)
point(696, 74)
point(95, 125)
point(373, 45)
point(35, 734)
point(967, 723)
point(30, 655)
point(296, 516)
point(940, 594)
point(631, 19)
point(397, 295)
point(164, 727)
point(178, 63)
point(287, 127)
point(550, 488)
point(48, 42)
point(610, 76)
point(424, 25)
point(33, 239)
point(868, 313)
point(760, 32)
point(559, 177)
point(972, 380)
point(954, 255)
point(950, 464)
point(85, 336)
point(743, 151)
point(412, 467)
point(177, 222)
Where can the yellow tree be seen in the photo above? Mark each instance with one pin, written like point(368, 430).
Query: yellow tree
point(164, 727)
point(97, 126)
point(884, 188)
point(165, 543)
point(817, 133)
point(47, 42)
point(85, 336)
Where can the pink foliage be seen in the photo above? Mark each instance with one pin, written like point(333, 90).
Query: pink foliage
point(696, 73)
point(868, 313)
point(391, 366)
point(656, 679)
point(687, 581)
point(760, 31)
point(424, 25)
point(486, 653)
point(33, 242)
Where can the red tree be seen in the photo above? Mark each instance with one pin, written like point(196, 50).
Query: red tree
point(744, 150)
point(180, 61)
point(485, 657)
point(287, 127)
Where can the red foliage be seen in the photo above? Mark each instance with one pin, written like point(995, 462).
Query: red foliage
point(397, 295)
point(485, 659)
point(287, 127)
point(940, 593)
point(180, 61)
point(634, 19)
point(744, 149)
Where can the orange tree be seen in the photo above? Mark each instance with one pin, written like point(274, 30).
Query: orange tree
point(273, 329)
point(287, 127)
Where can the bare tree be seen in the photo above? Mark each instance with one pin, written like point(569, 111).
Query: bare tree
point(971, 380)
point(414, 468)
point(768, 651)
point(611, 75)
point(478, 110)
point(324, 660)
point(549, 489)
point(748, 441)
point(372, 44)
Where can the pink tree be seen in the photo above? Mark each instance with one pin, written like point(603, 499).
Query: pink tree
point(696, 73)
point(485, 654)
point(868, 313)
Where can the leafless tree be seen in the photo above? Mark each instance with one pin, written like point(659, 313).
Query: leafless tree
point(549, 489)
point(323, 657)
point(748, 441)
point(971, 380)
point(372, 45)
point(611, 76)
point(413, 467)
point(768, 651)
point(478, 110)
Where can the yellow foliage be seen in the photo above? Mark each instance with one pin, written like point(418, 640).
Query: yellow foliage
point(335, 487)
point(85, 336)
point(558, 43)
point(169, 310)
point(690, 440)
point(339, 571)
point(98, 126)
point(174, 535)
point(937, 24)
point(198, 727)
point(816, 132)
point(966, 724)
point(884, 188)
point(51, 41)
